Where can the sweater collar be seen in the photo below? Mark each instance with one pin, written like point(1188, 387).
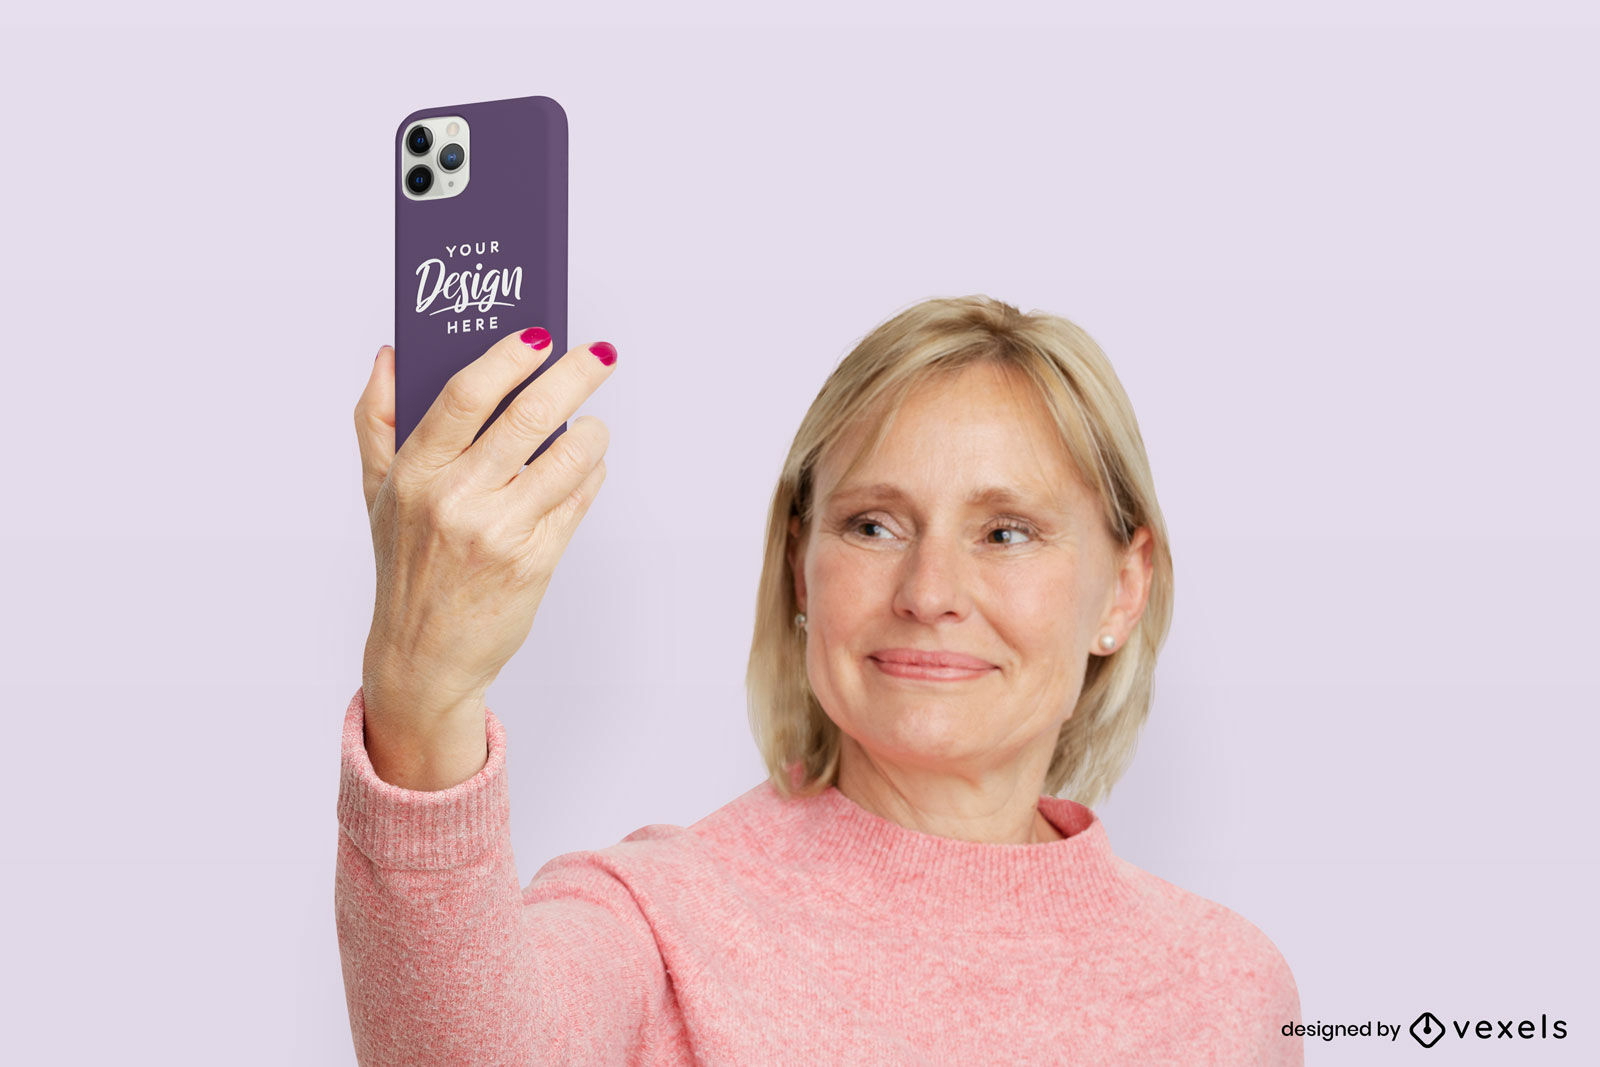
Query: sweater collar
point(896, 874)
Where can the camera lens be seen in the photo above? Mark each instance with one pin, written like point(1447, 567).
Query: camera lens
point(419, 140)
point(419, 179)
point(452, 156)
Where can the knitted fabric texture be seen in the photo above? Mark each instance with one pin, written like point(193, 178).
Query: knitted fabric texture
point(773, 931)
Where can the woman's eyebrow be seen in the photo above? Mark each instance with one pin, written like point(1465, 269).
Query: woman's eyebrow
point(1000, 495)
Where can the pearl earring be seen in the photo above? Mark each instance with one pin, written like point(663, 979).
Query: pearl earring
point(800, 620)
point(1108, 642)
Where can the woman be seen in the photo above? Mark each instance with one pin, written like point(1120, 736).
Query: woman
point(966, 583)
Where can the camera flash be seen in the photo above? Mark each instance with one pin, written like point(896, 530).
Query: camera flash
point(452, 129)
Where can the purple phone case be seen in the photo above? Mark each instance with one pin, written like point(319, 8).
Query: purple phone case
point(505, 234)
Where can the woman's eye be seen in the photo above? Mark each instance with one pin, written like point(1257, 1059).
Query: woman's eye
point(857, 524)
point(1012, 528)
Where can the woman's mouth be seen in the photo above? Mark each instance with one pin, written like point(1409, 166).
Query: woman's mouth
point(929, 673)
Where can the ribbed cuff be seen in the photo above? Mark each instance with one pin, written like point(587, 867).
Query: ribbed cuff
point(416, 829)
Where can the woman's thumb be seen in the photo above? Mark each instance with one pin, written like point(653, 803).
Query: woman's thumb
point(375, 424)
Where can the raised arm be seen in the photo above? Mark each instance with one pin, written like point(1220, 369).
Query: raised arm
point(445, 959)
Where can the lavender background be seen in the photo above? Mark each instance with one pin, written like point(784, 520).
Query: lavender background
point(1342, 256)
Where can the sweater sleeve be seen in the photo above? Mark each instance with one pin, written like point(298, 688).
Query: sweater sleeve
point(447, 961)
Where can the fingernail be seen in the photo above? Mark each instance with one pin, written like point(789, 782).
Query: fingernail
point(380, 352)
point(537, 336)
point(604, 352)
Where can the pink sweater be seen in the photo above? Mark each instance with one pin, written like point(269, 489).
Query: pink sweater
point(772, 931)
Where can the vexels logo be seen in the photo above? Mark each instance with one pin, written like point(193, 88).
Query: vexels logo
point(455, 287)
point(1427, 1029)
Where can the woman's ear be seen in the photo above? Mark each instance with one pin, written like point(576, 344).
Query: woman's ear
point(1132, 591)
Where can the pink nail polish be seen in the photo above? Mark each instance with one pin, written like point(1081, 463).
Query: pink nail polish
point(604, 352)
point(537, 336)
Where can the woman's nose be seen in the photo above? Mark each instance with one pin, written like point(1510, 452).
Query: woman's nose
point(934, 577)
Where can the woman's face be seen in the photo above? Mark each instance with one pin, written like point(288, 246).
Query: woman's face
point(1026, 585)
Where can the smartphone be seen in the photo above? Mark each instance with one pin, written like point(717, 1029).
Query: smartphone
point(480, 243)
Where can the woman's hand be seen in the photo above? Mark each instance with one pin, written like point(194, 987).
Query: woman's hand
point(466, 538)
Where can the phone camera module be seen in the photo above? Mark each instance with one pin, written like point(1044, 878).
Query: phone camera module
point(419, 140)
point(419, 180)
point(452, 156)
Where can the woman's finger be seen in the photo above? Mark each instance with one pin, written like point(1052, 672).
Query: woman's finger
point(534, 414)
point(469, 397)
point(563, 481)
point(375, 424)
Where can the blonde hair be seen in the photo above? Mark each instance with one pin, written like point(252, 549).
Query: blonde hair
point(1066, 369)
